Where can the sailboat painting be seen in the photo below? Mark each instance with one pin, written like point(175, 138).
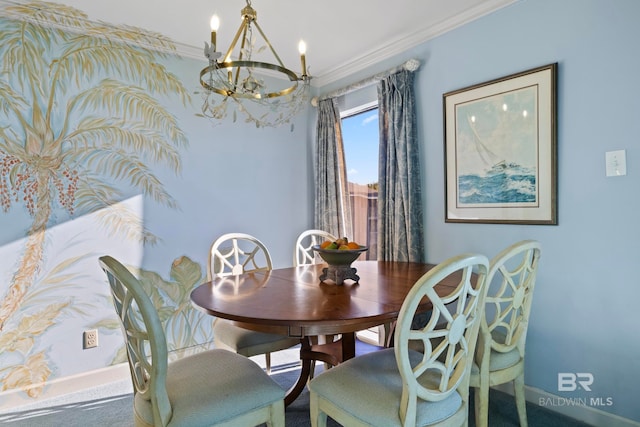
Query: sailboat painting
point(497, 150)
point(500, 150)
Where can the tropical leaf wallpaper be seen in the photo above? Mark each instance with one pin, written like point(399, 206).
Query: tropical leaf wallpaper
point(80, 127)
point(103, 152)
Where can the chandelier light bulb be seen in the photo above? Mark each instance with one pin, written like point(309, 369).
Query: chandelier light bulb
point(302, 48)
point(215, 24)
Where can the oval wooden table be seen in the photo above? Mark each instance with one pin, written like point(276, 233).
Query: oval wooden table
point(293, 302)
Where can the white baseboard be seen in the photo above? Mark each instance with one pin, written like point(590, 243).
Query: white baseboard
point(60, 390)
point(80, 387)
point(576, 409)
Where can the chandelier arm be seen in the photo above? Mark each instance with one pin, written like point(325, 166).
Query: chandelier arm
point(243, 27)
point(269, 44)
point(247, 26)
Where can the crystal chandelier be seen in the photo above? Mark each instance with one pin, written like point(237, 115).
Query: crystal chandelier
point(236, 81)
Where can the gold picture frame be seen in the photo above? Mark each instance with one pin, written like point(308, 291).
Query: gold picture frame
point(500, 150)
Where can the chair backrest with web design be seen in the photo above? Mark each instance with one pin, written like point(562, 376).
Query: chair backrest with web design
point(237, 253)
point(144, 336)
point(435, 360)
point(511, 282)
point(303, 253)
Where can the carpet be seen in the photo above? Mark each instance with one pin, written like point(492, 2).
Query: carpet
point(502, 410)
point(116, 411)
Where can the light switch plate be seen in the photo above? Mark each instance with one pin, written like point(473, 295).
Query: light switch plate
point(616, 162)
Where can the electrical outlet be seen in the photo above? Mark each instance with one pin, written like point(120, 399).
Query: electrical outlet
point(90, 339)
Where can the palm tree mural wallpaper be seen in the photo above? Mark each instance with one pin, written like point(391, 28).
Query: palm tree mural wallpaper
point(81, 124)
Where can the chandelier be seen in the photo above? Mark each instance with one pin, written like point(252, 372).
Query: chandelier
point(236, 81)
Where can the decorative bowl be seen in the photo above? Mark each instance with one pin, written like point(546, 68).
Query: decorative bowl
point(339, 261)
point(339, 256)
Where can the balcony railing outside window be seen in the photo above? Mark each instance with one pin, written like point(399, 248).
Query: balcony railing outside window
point(364, 213)
point(361, 138)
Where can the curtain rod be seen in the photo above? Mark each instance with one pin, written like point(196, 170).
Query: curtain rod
point(410, 65)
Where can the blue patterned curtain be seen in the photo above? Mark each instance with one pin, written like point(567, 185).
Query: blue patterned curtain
point(400, 229)
point(332, 208)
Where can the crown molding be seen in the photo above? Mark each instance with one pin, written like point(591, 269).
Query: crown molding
point(362, 62)
point(403, 44)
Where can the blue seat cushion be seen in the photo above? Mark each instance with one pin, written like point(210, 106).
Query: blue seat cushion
point(211, 387)
point(370, 387)
point(239, 339)
point(499, 360)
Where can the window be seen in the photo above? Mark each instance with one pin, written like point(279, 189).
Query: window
point(360, 135)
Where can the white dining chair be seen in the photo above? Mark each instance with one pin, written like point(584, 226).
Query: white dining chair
point(500, 352)
point(210, 388)
point(303, 254)
point(403, 386)
point(233, 254)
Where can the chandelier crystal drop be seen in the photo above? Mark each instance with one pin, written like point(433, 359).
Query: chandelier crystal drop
point(243, 80)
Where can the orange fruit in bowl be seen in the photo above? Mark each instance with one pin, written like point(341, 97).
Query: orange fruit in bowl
point(353, 245)
point(324, 244)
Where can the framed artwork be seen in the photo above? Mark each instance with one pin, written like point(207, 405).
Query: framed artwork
point(500, 150)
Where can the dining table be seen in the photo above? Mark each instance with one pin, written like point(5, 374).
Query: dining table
point(294, 302)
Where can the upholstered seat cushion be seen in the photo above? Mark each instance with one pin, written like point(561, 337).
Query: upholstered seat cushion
point(238, 339)
point(370, 387)
point(211, 387)
point(499, 360)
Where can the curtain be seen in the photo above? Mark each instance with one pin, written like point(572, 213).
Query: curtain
point(332, 207)
point(400, 229)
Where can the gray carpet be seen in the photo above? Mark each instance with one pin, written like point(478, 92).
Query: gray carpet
point(116, 411)
point(502, 411)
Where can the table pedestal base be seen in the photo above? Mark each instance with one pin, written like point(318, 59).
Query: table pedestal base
point(332, 353)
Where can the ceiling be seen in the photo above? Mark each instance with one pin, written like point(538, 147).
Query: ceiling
point(342, 36)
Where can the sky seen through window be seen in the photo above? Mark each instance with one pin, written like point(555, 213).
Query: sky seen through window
point(360, 135)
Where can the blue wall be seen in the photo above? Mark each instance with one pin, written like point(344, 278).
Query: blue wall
point(584, 315)
point(239, 178)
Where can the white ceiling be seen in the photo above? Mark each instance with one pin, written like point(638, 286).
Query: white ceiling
point(342, 36)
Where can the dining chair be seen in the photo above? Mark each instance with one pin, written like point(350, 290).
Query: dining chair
point(230, 255)
point(303, 253)
point(213, 387)
point(403, 386)
point(500, 351)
